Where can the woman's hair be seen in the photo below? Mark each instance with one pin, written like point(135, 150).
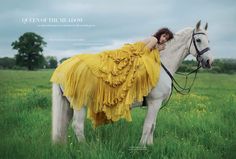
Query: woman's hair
point(163, 31)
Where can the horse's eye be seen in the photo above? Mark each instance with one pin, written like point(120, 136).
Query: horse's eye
point(198, 40)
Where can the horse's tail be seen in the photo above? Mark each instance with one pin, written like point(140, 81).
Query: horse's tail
point(61, 114)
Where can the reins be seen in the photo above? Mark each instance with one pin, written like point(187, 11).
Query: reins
point(178, 88)
point(184, 90)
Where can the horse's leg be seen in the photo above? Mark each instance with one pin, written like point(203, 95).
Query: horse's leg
point(78, 124)
point(154, 100)
point(150, 137)
point(150, 121)
point(61, 115)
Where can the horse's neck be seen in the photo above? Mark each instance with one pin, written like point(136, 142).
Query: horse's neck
point(176, 50)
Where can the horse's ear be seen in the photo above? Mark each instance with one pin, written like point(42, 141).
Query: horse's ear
point(206, 26)
point(198, 25)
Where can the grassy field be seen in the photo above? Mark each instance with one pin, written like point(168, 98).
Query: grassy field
point(200, 125)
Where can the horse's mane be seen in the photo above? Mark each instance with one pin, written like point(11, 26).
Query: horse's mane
point(178, 35)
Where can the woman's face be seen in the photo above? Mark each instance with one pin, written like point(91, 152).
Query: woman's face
point(164, 38)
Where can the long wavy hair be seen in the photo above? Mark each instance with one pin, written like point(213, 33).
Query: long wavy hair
point(163, 31)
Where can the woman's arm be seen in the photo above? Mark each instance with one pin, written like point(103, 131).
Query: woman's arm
point(150, 42)
point(160, 47)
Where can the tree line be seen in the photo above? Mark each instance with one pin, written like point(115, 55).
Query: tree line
point(47, 62)
point(218, 66)
point(30, 56)
point(50, 62)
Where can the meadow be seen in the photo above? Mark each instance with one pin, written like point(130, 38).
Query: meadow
point(200, 125)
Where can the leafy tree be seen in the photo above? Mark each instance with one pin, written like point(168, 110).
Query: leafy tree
point(51, 62)
point(7, 62)
point(30, 48)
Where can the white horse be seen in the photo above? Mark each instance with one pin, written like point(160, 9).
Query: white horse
point(187, 41)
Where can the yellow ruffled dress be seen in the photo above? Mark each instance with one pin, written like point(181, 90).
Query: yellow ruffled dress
point(110, 81)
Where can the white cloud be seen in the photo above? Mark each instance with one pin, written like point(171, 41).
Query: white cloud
point(120, 20)
point(68, 7)
point(115, 44)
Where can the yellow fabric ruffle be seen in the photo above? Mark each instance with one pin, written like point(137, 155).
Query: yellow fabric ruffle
point(109, 82)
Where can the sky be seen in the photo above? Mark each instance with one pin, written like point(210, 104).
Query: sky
point(72, 27)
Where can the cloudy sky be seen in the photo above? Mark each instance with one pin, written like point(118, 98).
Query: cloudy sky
point(88, 26)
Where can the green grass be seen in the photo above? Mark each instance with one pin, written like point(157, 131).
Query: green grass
point(199, 125)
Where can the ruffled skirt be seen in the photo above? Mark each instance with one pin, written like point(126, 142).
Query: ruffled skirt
point(110, 81)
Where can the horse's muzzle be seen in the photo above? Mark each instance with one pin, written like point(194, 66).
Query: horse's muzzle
point(206, 64)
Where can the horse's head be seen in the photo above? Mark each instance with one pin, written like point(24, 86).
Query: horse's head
point(199, 46)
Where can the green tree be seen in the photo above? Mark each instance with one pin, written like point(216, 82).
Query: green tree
point(7, 62)
point(51, 62)
point(30, 48)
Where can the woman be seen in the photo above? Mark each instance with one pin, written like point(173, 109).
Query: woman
point(110, 81)
point(158, 39)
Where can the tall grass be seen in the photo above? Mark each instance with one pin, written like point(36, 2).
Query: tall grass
point(199, 125)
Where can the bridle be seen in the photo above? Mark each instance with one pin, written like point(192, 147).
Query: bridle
point(183, 89)
point(193, 40)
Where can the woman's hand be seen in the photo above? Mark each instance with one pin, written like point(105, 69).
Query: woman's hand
point(160, 47)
